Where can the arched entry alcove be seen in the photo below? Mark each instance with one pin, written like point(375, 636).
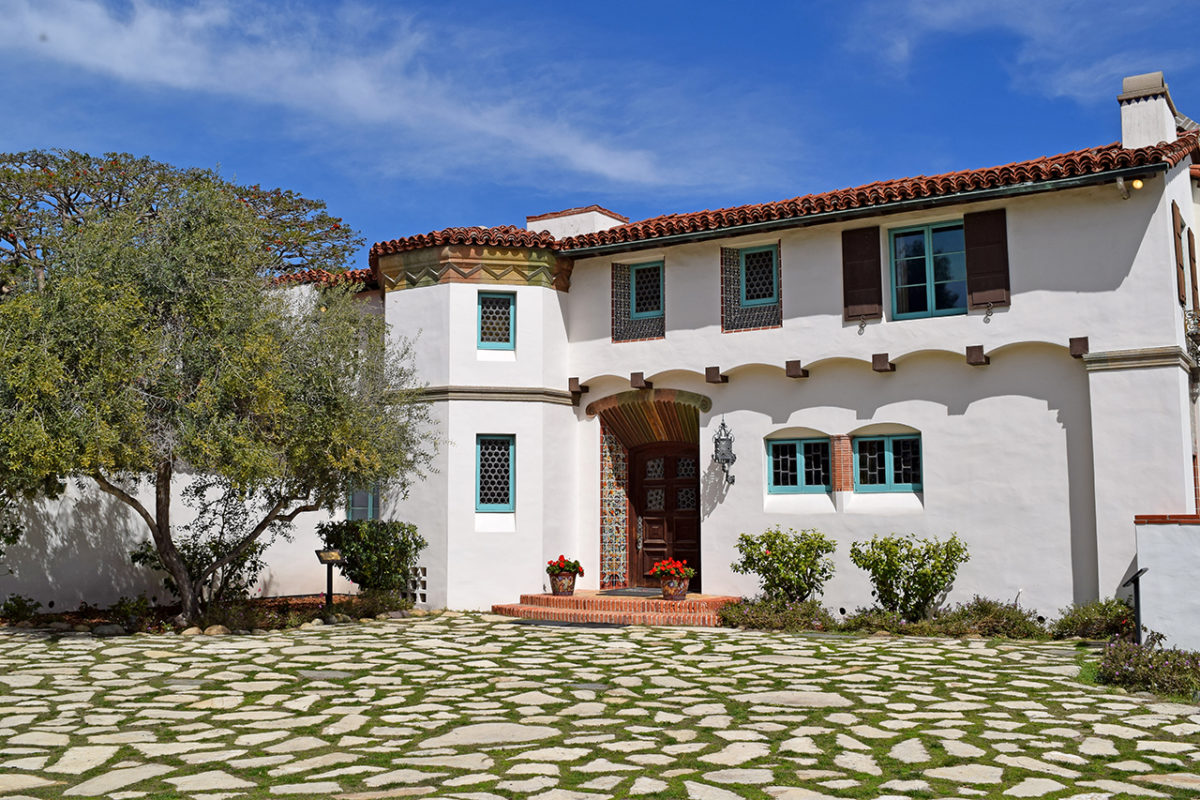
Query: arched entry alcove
point(650, 475)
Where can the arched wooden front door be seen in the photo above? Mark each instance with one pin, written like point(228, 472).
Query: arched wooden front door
point(664, 484)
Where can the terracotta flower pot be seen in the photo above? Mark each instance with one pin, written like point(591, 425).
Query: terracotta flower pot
point(674, 588)
point(563, 584)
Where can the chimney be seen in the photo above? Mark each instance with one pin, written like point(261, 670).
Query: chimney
point(575, 221)
point(1147, 113)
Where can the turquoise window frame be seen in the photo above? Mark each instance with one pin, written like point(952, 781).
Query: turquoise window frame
point(800, 487)
point(511, 505)
point(511, 344)
point(929, 291)
point(374, 503)
point(890, 485)
point(765, 301)
point(633, 271)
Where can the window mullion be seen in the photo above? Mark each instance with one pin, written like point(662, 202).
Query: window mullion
point(889, 463)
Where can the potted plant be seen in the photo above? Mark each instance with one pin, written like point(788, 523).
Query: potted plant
point(674, 575)
point(562, 575)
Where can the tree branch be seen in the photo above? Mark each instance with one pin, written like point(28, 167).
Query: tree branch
point(276, 514)
point(125, 497)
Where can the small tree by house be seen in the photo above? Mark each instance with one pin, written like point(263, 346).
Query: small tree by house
point(141, 339)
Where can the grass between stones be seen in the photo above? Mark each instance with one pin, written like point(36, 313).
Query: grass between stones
point(473, 707)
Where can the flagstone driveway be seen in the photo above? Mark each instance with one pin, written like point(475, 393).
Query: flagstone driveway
point(479, 707)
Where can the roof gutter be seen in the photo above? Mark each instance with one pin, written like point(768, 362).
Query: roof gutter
point(900, 206)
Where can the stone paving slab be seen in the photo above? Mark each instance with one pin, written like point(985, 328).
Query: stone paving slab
point(473, 707)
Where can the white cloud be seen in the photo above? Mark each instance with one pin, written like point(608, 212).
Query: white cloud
point(357, 71)
point(1077, 49)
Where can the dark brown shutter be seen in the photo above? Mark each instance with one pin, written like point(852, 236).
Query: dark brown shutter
point(862, 274)
point(1180, 277)
point(985, 234)
point(1192, 259)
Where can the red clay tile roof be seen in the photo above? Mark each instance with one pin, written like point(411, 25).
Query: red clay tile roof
point(1066, 165)
point(322, 277)
point(501, 236)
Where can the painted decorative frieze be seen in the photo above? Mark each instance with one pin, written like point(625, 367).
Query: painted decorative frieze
point(515, 266)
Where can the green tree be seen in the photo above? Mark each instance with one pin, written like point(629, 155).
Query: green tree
point(142, 338)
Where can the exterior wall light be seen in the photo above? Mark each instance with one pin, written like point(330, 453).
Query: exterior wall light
point(723, 450)
point(330, 558)
point(1137, 183)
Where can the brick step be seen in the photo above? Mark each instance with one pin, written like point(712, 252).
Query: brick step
point(693, 604)
point(698, 619)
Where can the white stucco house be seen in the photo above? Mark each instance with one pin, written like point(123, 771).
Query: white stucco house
point(1003, 353)
point(1000, 352)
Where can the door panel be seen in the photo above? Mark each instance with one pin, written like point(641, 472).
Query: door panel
point(665, 518)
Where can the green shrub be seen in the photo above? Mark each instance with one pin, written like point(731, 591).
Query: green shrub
point(990, 619)
point(238, 615)
point(375, 554)
point(869, 620)
point(764, 614)
point(1099, 619)
point(372, 602)
point(910, 575)
point(134, 614)
point(18, 608)
point(791, 567)
point(1151, 668)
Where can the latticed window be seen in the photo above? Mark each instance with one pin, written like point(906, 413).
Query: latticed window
point(759, 276)
point(906, 461)
point(887, 463)
point(655, 499)
point(654, 469)
point(685, 468)
point(800, 465)
point(495, 468)
point(872, 466)
point(685, 498)
point(646, 291)
point(496, 318)
point(816, 464)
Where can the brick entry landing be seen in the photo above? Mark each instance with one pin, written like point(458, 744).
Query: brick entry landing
point(698, 610)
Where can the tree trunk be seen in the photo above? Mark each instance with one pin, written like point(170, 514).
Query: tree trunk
point(159, 524)
point(167, 552)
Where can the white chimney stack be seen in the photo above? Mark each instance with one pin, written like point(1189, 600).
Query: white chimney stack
point(1147, 113)
point(575, 221)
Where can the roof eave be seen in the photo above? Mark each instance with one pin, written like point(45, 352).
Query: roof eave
point(895, 207)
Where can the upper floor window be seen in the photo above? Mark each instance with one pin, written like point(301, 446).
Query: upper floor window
point(497, 321)
point(929, 271)
point(798, 466)
point(751, 294)
point(364, 504)
point(887, 463)
point(759, 276)
point(646, 290)
point(495, 472)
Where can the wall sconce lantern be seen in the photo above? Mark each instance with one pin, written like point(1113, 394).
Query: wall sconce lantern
point(723, 450)
point(329, 558)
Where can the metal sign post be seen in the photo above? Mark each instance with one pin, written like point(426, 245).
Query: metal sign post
point(329, 558)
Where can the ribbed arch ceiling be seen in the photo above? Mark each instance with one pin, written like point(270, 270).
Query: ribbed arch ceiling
point(648, 416)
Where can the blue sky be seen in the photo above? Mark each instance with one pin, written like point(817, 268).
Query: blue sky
point(410, 117)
